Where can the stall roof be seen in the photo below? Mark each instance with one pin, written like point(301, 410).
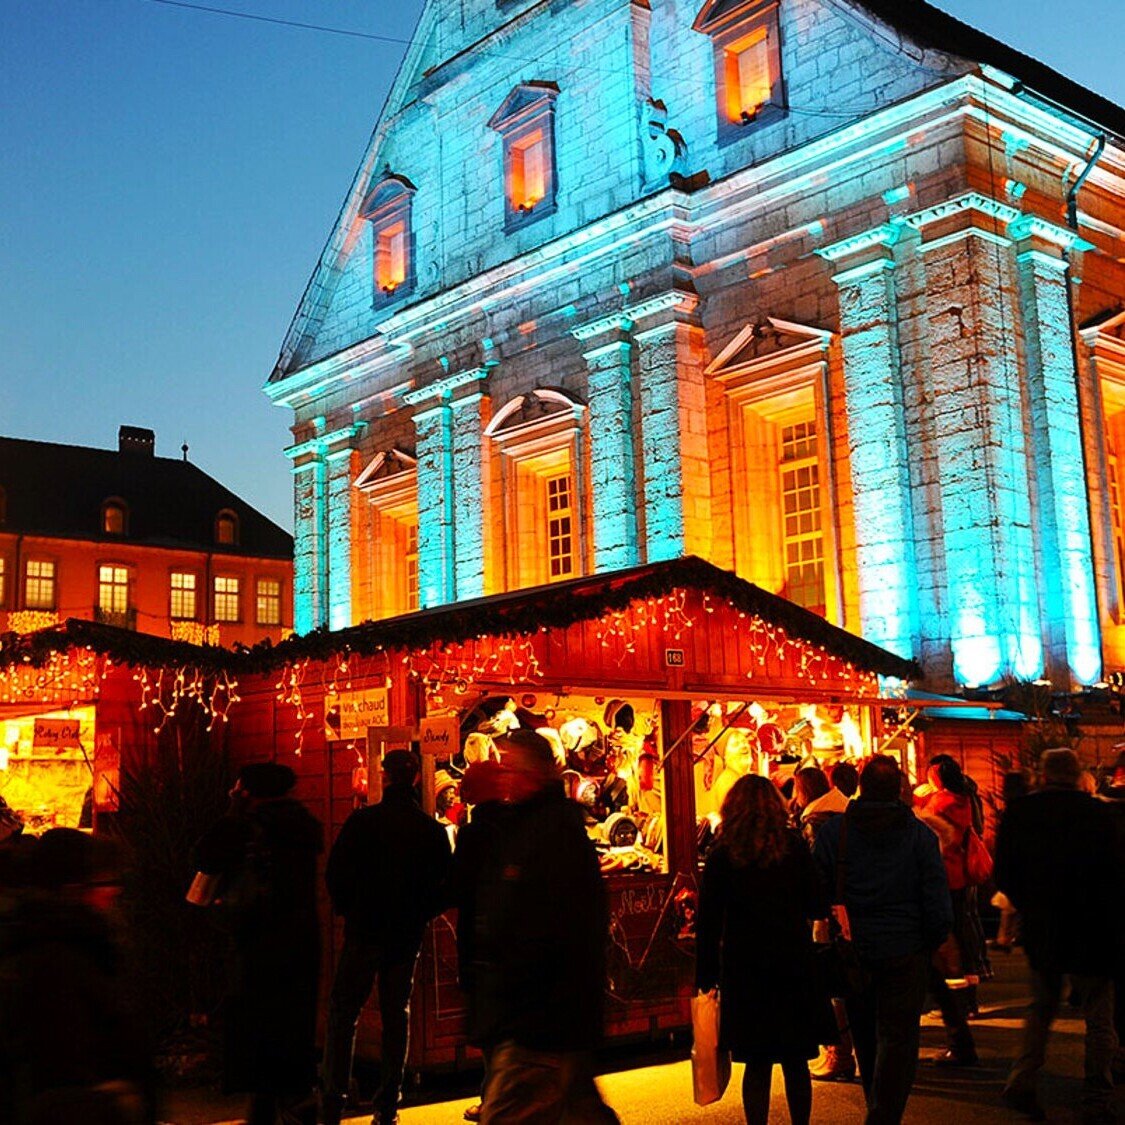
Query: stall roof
point(519, 612)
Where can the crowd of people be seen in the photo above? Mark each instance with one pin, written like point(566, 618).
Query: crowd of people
point(828, 913)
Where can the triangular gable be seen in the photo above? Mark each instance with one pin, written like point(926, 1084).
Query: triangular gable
point(525, 100)
point(716, 15)
point(383, 466)
point(757, 343)
point(317, 295)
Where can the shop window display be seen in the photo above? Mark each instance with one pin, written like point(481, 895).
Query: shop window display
point(608, 752)
point(732, 739)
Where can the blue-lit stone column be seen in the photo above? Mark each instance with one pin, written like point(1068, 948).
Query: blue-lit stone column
point(977, 422)
point(1065, 545)
point(613, 481)
point(339, 472)
point(880, 468)
point(309, 558)
point(675, 468)
point(451, 483)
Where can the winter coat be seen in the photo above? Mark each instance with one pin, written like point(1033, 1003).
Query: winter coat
point(754, 940)
point(895, 887)
point(817, 813)
point(267, 856)
point(1059, 860)
point(951, 816)
point(63, 1029)
point(386, 870)
point(540, 930)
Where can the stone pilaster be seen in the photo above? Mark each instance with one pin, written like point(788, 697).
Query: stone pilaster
point(1068, 592)
point(986, 525)
point(467, 436)
point(613, 480)
point(880, 467)
point(674, 465)
point(434, 450)
point(309, 562)
point(339, 472)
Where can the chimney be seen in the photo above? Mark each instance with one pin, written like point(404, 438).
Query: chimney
point(134, 439)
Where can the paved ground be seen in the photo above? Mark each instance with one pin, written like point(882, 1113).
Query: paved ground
point(661, 1094)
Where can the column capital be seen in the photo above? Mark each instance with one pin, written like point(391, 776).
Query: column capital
point(677, 302)
point(442, 390)
point(323, 445)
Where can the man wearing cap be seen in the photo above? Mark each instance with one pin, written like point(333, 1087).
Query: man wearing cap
point(1058, 859)
point(384, 877)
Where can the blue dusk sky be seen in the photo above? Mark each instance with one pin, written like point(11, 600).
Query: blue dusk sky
point(168, 179)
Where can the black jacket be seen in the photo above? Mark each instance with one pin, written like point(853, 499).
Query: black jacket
point(386, 871)
point(540, 930)
point(1058, 858)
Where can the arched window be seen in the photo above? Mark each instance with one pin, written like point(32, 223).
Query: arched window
point(226, 528)
point(539, 437)
point(388, 209)
point(115, 517)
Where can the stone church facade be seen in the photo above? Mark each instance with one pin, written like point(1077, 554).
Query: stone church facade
point(830, 293)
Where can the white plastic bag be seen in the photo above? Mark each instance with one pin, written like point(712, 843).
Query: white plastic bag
point(710, 1067)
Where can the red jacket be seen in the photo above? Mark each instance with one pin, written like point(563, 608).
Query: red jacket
point(950, 816)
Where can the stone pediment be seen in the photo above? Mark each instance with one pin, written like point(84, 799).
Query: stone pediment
point(768, 344)
point(535, 410)
point(526, 100)
point(718, 14)
point(384, 467)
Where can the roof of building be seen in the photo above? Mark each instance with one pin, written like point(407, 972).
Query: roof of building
point(58, 491)
point(516, 613)
point(930, 27)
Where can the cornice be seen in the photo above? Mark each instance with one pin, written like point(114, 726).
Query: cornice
point(322, 444)
point(441, 389)
point(886, 235)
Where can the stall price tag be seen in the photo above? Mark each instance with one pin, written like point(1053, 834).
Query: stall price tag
point(674, 657)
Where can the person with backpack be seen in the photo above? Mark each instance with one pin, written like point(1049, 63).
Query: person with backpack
point(263, 853)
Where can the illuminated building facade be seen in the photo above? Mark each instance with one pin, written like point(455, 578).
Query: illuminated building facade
point(141, 542)
point(826, 292)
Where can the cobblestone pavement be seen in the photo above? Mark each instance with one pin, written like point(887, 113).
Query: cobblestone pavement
point(659, 1094)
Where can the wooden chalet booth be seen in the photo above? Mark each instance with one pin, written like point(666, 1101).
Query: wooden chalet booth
point(657, 687)
point(80, 702)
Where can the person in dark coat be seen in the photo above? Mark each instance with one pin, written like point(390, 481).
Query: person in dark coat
point(265, 852)
point(384, 875)
point(759, 895)
point(69, 1048)
point(1058, 858)
point(540, 928)
point(897, 902)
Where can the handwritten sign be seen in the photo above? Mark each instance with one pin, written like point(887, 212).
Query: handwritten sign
point(348, 715)
point(57, 734)
point(107, 772)
point(438, 735)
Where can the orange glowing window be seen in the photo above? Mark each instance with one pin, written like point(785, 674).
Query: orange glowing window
point(226, 598)
point(412, 566)
point(749, 75)
point(183, 596)
point(560, 527)
point(113, 590)
point(39, 584)
point(390, 256)
point(3, 581)
point(528, 171)
point(268, 601)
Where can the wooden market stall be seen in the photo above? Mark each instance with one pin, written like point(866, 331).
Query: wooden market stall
point(656, 686)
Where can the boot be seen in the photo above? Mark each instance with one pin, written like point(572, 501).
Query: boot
point(833, 1065)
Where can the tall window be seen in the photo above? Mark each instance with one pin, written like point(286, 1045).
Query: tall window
point(560, 526)
point(802, 532)
point(411, 561)
point(113, 594)
point(3, 582)
point(226, 598)
point(268, 601)
point(388, 209)
point(39, 584)
point(183, 602)
point(748, 81)
point(526, 124)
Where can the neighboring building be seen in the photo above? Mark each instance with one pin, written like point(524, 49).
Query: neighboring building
point(139, 541)
point(827, 292)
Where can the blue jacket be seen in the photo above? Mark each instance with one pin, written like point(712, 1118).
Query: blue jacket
point(894, 880)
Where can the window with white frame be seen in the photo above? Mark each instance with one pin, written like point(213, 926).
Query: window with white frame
point(748, 80)
point(183, 604)
point(113, 589)
point(226, 598)
point(410, 560)
point(39, 584)
point(538, 436)
point(388, 211)
point(268, 601)
point(526, 124)
point(773, 374)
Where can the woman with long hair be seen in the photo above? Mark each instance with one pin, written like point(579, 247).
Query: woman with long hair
point(759, 894)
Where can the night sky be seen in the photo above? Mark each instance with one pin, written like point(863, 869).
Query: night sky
point(168, 179)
